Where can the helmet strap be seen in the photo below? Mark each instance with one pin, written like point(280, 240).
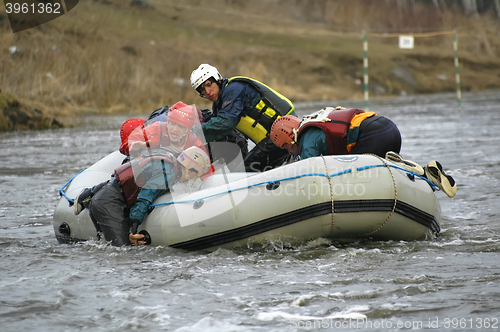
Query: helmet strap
point(295, 133)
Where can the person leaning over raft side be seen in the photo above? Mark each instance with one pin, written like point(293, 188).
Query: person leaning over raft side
point(174, 135)
point(120, 206)
point(340, 131)
point(177, 135)
point(82, 200)
point(247, 105)
point(337, 131)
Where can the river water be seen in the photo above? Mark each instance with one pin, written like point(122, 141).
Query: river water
point(448, 283)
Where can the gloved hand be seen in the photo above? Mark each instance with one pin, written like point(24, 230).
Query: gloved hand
point(134, 224)
point(238, 138)
point(207, 114)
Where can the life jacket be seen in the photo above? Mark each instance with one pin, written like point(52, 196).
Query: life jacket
point(131, 174)
point(335, 123)
point(257, 123)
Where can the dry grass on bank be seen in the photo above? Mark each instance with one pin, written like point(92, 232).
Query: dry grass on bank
point(107, 56)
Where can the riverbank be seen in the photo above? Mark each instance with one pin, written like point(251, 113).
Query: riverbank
point(107, 56)
point(16, 115)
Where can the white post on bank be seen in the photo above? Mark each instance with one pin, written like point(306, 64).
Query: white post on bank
point(457, 72)
point(407, 42)
point(365, 69)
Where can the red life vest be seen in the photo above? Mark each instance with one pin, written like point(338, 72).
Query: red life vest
point(335, 128)
point(131, 177)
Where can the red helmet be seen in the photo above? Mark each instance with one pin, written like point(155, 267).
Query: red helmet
point(127, 128)
point(284, 130)
point(182, 114)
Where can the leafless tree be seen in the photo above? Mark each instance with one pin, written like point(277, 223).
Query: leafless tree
point(497, 7)
point(440, 5)
point(470, 6)
point(311, 10)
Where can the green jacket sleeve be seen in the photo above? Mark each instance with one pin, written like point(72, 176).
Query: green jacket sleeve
point(218, 127)
point(312, 143)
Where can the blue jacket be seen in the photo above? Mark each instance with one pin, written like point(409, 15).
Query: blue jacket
point(235, 100)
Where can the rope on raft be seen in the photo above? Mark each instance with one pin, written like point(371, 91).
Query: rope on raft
point(61, 191)
point(361, 168)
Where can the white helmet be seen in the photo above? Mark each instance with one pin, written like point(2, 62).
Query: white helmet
point(196, 158)
point(203, 73)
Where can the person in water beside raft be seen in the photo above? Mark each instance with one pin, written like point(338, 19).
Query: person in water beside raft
point(121, 204)
point(244, 104)
point(340, 131)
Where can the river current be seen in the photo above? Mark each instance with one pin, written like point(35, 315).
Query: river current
point(450, 283)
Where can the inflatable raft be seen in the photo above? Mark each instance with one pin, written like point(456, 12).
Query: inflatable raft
point(336, 197)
